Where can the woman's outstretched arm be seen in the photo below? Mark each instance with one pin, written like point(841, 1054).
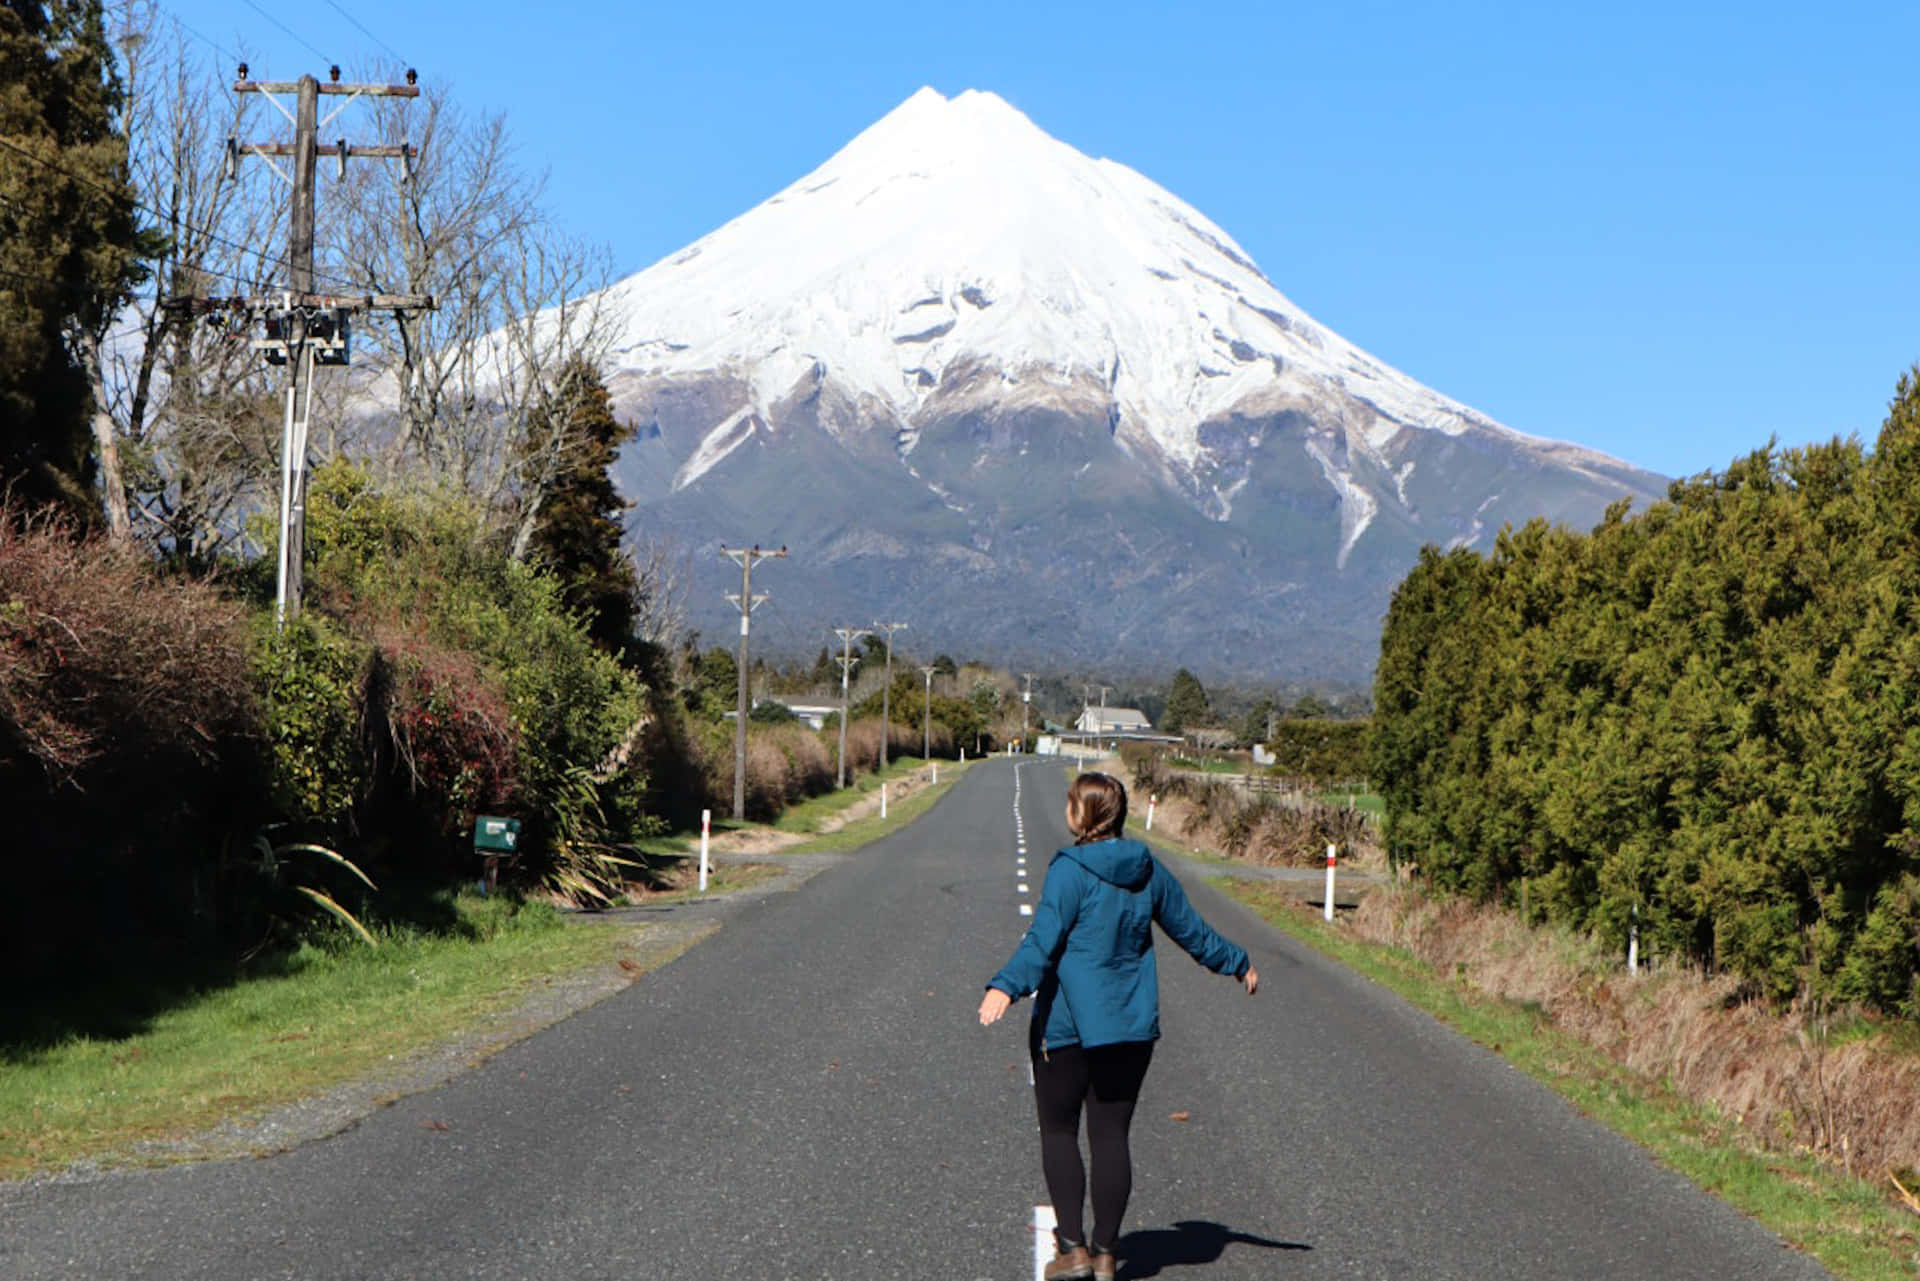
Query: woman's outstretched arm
point(1039, 949)
point(1191, 931)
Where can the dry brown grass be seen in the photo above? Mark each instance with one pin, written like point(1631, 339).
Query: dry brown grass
point(1263, 829)
point(1788, 1078)
point(787, 764)
point(863, 743)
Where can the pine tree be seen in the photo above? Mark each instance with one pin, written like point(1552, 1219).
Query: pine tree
point(67, 238)
point(1186, 703)
point(569, 455)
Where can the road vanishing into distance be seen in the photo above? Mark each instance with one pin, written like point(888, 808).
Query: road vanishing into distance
point(807, 1094)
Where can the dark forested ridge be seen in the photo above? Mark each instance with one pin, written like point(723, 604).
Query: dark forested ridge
point(1704, 713)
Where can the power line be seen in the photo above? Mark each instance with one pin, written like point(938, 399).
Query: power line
point(289, 30)
point(146, 208)
point(68, 286)
point(334, 5)
point(209, 41)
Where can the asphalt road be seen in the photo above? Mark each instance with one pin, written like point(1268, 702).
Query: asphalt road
point(807, 1094)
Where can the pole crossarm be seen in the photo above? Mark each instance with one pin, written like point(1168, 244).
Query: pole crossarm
point(200, 306)
point(328, 87)
point(405, 151)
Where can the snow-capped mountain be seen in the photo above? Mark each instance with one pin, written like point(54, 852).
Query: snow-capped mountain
point(961, 359)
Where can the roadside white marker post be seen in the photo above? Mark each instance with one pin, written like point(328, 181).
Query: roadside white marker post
point(883, 800)
point(1329, 905)
point(1151, 802)
point(706, 824)
point(936, 773)
point(1633, 942)
point(963, 756)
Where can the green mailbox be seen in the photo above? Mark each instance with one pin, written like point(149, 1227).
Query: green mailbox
point(496, 836)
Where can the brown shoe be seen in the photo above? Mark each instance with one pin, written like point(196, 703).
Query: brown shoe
point(1071, 1264)
point(1104, 1265)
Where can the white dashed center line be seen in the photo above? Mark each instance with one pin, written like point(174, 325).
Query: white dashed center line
point(1043, 1251)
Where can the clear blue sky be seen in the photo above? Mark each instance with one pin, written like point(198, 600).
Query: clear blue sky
point(1667, 231)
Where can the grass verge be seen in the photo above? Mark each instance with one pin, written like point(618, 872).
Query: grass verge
point(810, 814)
point(683, 884)
point(1846, 1223)
point(873, 827)
point(285, 1029)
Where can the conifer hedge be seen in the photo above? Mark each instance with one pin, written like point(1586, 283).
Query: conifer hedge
point(1707, 714)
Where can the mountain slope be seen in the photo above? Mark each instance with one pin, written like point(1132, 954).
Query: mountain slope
point(1040, 406)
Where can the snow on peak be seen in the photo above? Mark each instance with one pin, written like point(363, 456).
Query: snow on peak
point(952, 234)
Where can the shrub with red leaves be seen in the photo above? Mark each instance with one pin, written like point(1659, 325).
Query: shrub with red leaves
point(106, 666)
point(128, 760)
point(442, 730)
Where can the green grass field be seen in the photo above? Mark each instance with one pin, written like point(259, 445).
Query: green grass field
point(288, 1028)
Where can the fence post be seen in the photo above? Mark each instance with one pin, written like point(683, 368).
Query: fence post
point(1328, 912)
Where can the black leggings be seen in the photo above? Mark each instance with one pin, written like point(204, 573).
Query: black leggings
point(1106, 1079)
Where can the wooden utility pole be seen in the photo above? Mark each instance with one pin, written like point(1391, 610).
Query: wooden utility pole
point(302, 328)
point(886, 691)
point(926, 717)
point(746, 558)
point(847, 635)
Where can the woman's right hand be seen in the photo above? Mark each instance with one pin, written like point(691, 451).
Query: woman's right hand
point(1251, 979)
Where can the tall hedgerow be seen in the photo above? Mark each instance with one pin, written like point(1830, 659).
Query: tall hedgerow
point(1703, 720)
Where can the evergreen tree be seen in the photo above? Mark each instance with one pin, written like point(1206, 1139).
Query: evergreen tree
point(576, 531)
point(68, 237)
point(1697, 723)
point(1254, 726)
point(717, 682)
point(1186, 703)
point(1310, 707)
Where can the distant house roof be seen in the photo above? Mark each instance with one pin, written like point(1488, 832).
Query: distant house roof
point(1100, 720)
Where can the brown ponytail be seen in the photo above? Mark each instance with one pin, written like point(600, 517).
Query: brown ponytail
point(1096, 808)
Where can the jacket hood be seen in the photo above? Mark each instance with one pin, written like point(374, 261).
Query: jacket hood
point(1121, 862)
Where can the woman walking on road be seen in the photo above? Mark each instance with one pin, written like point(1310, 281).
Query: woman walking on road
point(1088, 961)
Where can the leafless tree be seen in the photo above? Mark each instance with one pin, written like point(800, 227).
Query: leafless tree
point(515, 301)
point(662, 571)
point(188, 433)
point(185, 422)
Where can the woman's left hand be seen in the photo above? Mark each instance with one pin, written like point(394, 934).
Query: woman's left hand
point(993, 1005)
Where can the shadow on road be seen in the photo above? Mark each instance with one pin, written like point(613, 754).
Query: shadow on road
point(1188, 1243)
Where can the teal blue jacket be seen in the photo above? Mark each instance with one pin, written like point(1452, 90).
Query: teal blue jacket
point(1088, 957)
